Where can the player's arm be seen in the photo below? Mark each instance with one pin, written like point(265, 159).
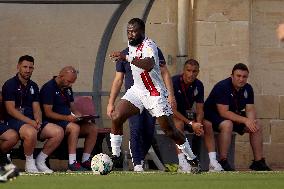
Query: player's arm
point(199, 112)
point(47, 108)
point(146, 63)
point(251, 115)
point(15, 113)
point(115, 89)
point(37, 113)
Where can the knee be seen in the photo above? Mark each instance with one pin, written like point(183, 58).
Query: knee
point(73, 128)
point(58, 133)
point(28, 134)
point(117, 118)
point(226, 126)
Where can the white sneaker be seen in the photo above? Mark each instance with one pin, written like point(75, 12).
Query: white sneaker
point(184, 167)
point(215, 167)
point(138, 168)
point(41, 166)
point(30, 167)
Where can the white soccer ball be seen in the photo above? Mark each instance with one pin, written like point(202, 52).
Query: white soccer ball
point(101, 163)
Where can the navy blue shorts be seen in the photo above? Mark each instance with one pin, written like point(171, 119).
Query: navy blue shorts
point(62, 124)
point(216, 120)
point(3, 128)
point(17, 124)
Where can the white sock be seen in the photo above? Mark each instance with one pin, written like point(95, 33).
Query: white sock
point(212, 157)
point(85, 157)
point(41, 157)
point(29, 158)
point(186, 149)
point(72, 158)
point(115, 141)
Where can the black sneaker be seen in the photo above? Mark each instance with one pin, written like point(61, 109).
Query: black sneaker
point(259, 165)
point(8, 172)
point(117, 161)
point(195, 166)
point(226, 166)
point(76, 166)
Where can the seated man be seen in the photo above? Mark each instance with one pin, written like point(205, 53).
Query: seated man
point(58, 106)
point(21, 99)
point(189, 94)
point(230, 107)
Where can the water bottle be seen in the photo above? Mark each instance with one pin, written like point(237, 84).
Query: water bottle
point(125, 161)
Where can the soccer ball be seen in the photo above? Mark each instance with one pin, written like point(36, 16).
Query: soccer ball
point(101, 163)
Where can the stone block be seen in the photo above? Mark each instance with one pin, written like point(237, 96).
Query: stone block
point(222, 9)
point(274, 154)
point(163, 11)
point(267, 106)
point(204, 33)
point(243, 155)
point(266, 130)
point(277, 131)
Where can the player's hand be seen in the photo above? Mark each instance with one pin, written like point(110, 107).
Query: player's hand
point(71, 118)
point(197, 128)
point(280, 32)
point(110, 110)
point(116, 56)
point(34, 124)
point(172, 101)
point(251, 125)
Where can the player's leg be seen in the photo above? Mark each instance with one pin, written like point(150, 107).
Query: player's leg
point(209, 141)
point(28, 135)
point(89, 132)
point(135, 141)
point(167, 125)
point(184, 166)
point(148, 129)
point(224, 142)
point(123, 111)
point(54, 135)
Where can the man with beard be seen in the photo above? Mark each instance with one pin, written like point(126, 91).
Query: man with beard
point(58, 106)
point(148, 91)
point(23, 114)
point(230, 107)
point(142, 126)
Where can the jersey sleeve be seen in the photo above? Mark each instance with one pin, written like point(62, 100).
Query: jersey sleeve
point(8, 92)
point(200, 95)
point(250, 95)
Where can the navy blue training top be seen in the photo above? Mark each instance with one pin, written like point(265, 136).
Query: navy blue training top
point(124, 66)
point(224, 93)
point(186, 95)
point(24, 96)
point(60, 100)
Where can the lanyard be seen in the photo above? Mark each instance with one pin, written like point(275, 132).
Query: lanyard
point(23, 92)
point(236, 100)
point(182, 84)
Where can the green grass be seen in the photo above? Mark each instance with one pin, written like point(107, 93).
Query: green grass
point(150, 180)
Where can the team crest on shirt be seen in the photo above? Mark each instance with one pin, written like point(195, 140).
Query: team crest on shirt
point(139, 54)
point(32, 90)
point(245, 94)
point(69, 92)
point(195, 92)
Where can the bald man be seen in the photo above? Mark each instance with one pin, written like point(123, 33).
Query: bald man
point(58, 107)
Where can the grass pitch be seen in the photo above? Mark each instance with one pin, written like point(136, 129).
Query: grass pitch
point(149, 180)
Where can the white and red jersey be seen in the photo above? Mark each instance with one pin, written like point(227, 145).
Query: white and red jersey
point(148, 83)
